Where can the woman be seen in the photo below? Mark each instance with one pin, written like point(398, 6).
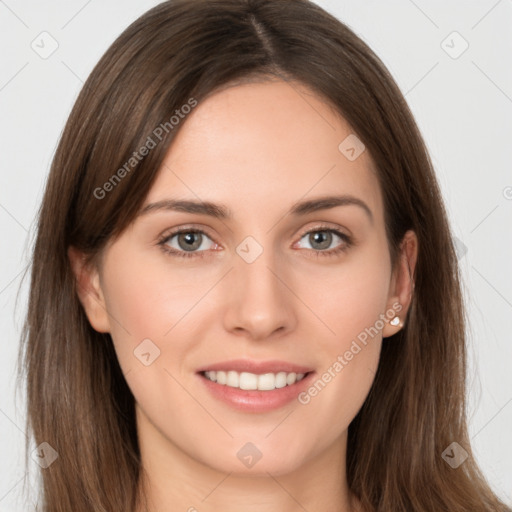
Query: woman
point(188, 346)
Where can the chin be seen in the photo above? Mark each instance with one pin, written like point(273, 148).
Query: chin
point(249, 460)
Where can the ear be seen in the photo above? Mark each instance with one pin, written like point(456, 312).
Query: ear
point(89, 290)
point(402, 284)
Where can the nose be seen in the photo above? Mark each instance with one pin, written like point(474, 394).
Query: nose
point(260, 302)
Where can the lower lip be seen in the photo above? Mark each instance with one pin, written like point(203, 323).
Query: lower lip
point(256, 400)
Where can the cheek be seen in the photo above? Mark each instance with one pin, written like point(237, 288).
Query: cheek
point(354, 310)
point(146, 303)
point(146, 295)
point(349, 363)
point(357, 295)
point(147, 308)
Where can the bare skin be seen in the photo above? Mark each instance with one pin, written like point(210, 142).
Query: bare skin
point(258, 149)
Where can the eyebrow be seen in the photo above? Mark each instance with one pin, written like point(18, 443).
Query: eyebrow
point(221, 211)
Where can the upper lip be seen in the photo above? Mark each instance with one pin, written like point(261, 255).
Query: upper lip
point(256, 367)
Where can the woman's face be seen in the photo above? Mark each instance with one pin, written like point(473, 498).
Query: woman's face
point(252, 294)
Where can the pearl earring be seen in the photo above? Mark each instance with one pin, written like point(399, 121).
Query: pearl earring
point(395, 321)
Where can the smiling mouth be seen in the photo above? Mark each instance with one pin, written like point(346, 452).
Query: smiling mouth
point(252, 381)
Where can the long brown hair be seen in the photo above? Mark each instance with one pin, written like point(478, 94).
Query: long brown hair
point(180, 52)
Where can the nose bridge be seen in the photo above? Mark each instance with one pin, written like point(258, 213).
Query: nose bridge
point(259, 302)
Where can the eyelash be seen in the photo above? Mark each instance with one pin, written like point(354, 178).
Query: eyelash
point(201, 254)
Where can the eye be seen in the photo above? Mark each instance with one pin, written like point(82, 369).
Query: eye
point(322, 238)
point(186, 243)
point(190, 242)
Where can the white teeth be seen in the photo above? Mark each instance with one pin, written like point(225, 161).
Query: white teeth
point(290, 378)
point(266, 381)
point(281, 380)
point(233, 379)
point(251, 381)
point(248, 381)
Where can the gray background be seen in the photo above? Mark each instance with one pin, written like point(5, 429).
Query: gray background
point(462, 103)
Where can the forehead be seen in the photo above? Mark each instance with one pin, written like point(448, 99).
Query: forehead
point(264, 145)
